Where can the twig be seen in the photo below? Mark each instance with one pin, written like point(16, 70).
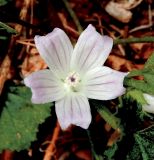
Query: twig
point(50, 149)
point(6, 64)
point(115, 28)
point(19, 21)
point(66, 26)
point(73, 15)
point(25, 43)
point(134, 40)
point(31, 14)
point(146, 25)
point(99, 19)
point(23, 14)
point(121, 48)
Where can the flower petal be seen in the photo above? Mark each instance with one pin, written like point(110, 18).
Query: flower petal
point(150, 106)
point(44, 86)
point(73, 109)
point(104, 83)
point(56, 49)
point(91, 50)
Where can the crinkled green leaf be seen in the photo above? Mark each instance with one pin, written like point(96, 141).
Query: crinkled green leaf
point(143, 148)
point(140, 85)
point(110, 152)
point(150, 63)
point(135, 95)
point(7, 28)
point(146, 85)
point(20, 119)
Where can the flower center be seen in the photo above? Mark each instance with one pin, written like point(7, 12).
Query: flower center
point(72, 81)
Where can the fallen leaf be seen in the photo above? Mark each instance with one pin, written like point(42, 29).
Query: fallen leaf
point(118, 12)
point(119, 63)
point(84, 154)
point(32, 63)
point(114, 137)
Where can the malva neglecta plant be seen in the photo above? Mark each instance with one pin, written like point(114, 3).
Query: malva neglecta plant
point(77, 75)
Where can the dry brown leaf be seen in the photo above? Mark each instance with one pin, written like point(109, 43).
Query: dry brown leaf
point(137, 46)
point(64, 156)
point(129, 4)
point(33, 62)
point(117, 11)
point(114, 137)
point(119, 63)
point(143, 50)
point(107, 127)
point(84, 155)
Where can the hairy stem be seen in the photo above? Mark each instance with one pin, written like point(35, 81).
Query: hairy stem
point(73, 15)
point(134, 40)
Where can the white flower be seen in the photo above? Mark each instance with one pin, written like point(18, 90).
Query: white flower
point(74, 75)
point(149, 107)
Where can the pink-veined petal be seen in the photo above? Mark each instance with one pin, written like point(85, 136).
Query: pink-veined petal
point(104, 83)
point(45, 87)
point(149, 107)
point(91, 50)
point(73, 109)
point(56, 49)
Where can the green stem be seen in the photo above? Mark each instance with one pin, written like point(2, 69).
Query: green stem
point(8, 28)
point(73, 15)
point(3, 38)
point(134, 40)
point(94, 155)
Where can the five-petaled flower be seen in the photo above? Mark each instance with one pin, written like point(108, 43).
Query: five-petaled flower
point(74, 75)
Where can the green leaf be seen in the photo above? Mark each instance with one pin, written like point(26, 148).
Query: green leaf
point(143, 148)
point(4, 2)
point(113, 121)
point(146, 85)
point(8, 28)
point(139, 85)
point(20, 119)
point(110, 152)
point(135, 95)
point(149, 65)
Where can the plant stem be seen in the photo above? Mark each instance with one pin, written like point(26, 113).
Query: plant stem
point(134, 40)
point(73, 15)
point(94, 155)
point(3, 38)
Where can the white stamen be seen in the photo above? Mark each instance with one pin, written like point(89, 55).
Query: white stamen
point(72, 81)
